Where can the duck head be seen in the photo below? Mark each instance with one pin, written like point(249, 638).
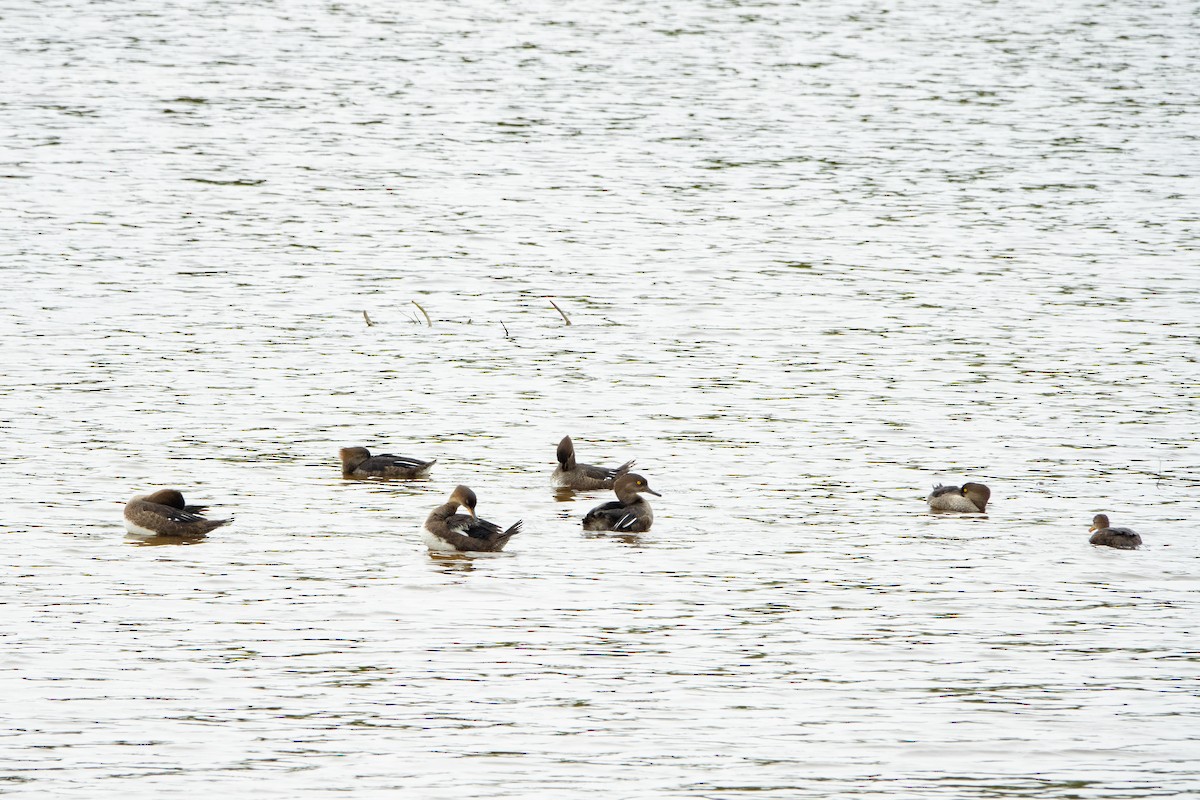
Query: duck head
point(630, 485)
point(465, 498)
point(166, 497)
point(977, 493)
point(353, 456)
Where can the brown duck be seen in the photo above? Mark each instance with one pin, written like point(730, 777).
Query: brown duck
point(359, 464)
point(572, 475)
point(970, 498)
point(163, 513)
point(629, 513)
point(1120, 538)
point(448, 531)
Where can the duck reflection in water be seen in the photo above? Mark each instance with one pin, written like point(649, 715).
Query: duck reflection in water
point(159, 541)
point(451, 562)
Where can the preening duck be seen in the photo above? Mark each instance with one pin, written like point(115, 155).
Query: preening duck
point(163, 513)
point(571, 475)
point(449, 531)
point(970, 498)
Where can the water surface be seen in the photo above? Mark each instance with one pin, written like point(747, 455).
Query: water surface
point(817, 257)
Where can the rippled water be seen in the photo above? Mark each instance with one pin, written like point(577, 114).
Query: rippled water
point(817, 256)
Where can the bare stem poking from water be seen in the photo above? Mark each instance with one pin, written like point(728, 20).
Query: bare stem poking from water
point(506, 334)
point(566, 319)
point(367, 319)
point(428, 321)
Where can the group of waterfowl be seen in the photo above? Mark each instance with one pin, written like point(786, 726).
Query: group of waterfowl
point(972, 498)
point(164, 513)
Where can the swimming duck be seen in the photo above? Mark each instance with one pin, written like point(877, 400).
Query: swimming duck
point(163, 513)
point(571, 475)
point(357, 462)
point(447, 530)
point(970, 498)
point(629, 513)
point(1120, 538)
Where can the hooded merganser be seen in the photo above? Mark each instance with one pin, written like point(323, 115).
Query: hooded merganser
point(1120, 538)
point(164, 513)
point(970, 498)
point(629, 513)
point(570, 475)
point(449, 531)
point(357, 462)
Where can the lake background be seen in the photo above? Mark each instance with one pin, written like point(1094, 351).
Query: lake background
point(818, 257)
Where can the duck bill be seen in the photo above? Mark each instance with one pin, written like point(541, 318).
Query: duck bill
point(648, 490)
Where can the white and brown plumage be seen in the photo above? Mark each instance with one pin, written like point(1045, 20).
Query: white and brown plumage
point(163, 513)
point(1120, 538)
point(570, 474)
point(970, 498)
point(359, 464)
point(449, 531)
point(629, 513)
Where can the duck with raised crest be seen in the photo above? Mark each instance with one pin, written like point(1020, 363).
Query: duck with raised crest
point(629, 513)
point(164, 513)
point(448, 531)
point(570, 474)
point(970, 498)
point(359, 464)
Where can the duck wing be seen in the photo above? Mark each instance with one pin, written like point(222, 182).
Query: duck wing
point(609, 513)
point(168, 520)
point(604, 473)
point(466, 525)
point(392, 460)
point(467, 533)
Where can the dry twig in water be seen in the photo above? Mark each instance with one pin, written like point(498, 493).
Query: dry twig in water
point(560, 311)
point(428, 321)
point(367, 319)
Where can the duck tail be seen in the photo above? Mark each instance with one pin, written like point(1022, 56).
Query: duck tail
point(621, 470)
point(213, 524)
point(502, 539)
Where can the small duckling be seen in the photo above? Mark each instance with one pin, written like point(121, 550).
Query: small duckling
point(1120, 538)
point(448, 531)
point(570, 475)
point(357, 462)
point(629, 513)
point(163, 513)
point(970, 498)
